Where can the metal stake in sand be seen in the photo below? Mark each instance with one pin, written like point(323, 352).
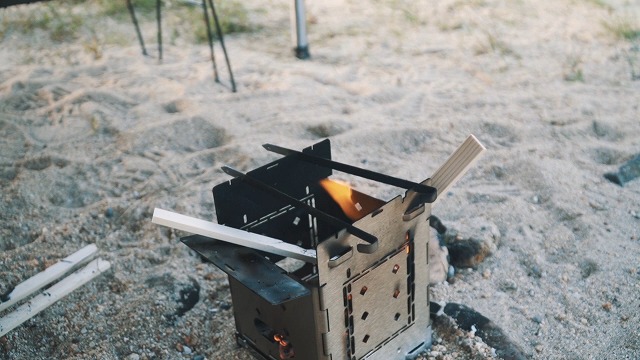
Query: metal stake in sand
point(221, 38)
point(49, 275)
point(137, 27)
point(53, 294)
point(231, 235)
point(299, 22)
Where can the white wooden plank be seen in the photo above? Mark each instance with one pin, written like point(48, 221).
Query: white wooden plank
point(456, 166)
point(50, 274)
point(51, 295)
point(232, 235)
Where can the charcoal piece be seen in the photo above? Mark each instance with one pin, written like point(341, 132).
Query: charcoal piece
point(467, 253)
point(6, 295)
point(189, 297)
point(491, 333)
point(627, 172)
point(435, 223)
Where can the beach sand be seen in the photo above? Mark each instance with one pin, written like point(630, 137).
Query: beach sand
point(94, 136)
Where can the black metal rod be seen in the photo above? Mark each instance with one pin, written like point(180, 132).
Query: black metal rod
point(430, 192)
point(210, 38)
point(159, 21)
point(135, 24)
point(224, 48)
point(370, 239)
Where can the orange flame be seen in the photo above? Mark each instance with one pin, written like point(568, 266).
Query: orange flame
point(342, 194)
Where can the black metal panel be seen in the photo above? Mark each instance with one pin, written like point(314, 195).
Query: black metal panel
point(238, 204)
point(248, 267)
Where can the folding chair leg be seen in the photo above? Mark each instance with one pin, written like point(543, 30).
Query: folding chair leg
point(159, 20)
point(224, 49)
point(135, 24)
point(210, 38)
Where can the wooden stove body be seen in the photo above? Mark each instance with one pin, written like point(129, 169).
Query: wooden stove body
point(351, 304)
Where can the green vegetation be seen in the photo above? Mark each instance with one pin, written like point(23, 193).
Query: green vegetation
point(574, 74)
point(233, 17)
point(601, 4)
point(56, 19)
point(623, 28)
point(118, 8)
point(494, 45)
point(69, 20)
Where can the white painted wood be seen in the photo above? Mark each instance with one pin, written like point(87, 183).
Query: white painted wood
point(49, 275)
point(232, 235)
point(456, 166)
point(53, 294)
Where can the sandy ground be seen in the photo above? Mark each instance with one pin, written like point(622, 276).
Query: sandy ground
point(91, 144)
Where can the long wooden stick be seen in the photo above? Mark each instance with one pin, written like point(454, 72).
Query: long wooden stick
point(53, 294)
point(232, 235)
point(50, 274)
point(457, 165)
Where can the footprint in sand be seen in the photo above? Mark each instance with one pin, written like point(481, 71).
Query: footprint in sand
point(23, 96)
point(606, 156)
point(13, 145)
point(606, 132)
point(19, 225)
point(181, 136)
point(499, 134)
point(328, 129)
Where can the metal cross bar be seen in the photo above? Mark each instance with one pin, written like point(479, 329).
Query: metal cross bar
point(429, 191)
point(364, 248)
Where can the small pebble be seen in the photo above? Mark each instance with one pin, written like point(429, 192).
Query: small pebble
point(133, 356)
point(508, 285)
point(539, 348)
point(225, 306)
point(583, 321)
point(198, 357)
point(486, 274)
point(607, 306)
point(179, 347)
point(186, 350)
point(109, 213)
point(537, 319)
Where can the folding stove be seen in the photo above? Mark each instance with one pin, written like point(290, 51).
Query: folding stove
point(359, 289)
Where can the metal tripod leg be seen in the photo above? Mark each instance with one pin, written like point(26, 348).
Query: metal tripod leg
point(224, 49)
point(159, 20)
point(210, 38)
point(135, 24)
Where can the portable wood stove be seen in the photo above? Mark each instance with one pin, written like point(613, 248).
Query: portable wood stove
point(361, 291)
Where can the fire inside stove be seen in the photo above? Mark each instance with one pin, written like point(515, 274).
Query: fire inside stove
point(361, 292)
